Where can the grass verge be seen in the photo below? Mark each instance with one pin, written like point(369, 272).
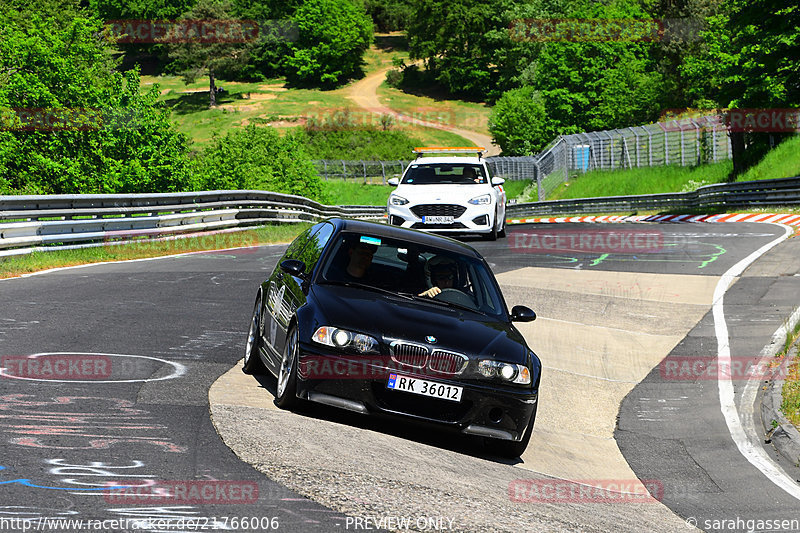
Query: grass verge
point(24, 264)
point(783, 161)
point(649, 180)
point(790, 403)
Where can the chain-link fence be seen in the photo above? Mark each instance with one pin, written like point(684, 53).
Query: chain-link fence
point(360, 171)
point(684, 142)
point(510, 168)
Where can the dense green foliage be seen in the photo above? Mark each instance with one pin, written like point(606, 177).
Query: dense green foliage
point(462, 43)
point(73, 124)
point(332, 38)
point(521, 124)
point(194, 57)
point(390, 15)
point(748, 60)
point(258, 158)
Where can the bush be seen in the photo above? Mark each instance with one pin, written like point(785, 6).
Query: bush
point(258, 158)
point(520, 124)
point(102, 134)
point(369, 144)
point(332, 38)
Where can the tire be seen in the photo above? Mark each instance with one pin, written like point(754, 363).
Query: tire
point(286, 389)
point(512, 449)
point(252, 359)
point(492, 235)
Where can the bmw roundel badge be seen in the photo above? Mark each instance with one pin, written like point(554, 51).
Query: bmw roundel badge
point(431, 339)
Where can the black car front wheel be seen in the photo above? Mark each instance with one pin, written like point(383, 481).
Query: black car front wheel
point(252, 360)
point(286, 393)
point(513, 449)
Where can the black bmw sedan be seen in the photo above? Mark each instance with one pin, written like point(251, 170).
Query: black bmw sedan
point(383, 320)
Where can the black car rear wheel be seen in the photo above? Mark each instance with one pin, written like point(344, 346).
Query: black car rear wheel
point(252, 360)
point(513, 449)
point(286, 392)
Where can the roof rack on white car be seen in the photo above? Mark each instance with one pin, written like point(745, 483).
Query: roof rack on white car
point(449, 150)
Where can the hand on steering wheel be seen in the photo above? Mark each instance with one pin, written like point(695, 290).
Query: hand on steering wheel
point(430, 293)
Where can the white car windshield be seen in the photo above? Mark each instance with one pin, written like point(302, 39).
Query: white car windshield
point(440, 173)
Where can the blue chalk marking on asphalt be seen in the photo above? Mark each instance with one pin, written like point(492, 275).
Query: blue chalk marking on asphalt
point(27, 483)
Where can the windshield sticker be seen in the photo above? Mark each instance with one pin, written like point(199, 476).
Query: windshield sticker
point(370, 240)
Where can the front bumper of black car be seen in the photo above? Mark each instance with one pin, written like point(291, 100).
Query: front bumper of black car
point(359, 384)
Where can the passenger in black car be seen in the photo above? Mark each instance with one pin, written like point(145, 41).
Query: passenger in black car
point(360, 255)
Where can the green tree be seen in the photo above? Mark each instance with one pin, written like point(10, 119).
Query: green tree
point(129, 13)
point(390, 15)
point(459, 40)
point(333, 36)
point(71, 123)
point(196, 53)
point(276, 32)
point(258, 158)
point(748, 61)
point(520, 123)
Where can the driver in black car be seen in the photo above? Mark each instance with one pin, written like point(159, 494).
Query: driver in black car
point(442, 273)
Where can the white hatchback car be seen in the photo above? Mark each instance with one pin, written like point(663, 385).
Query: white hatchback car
point(449, 195)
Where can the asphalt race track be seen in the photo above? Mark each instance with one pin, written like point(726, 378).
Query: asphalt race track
point(146, 390)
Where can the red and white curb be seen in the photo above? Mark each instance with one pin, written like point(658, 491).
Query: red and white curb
point(776, 218)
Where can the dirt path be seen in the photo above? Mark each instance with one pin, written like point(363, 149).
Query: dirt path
point(364, 93)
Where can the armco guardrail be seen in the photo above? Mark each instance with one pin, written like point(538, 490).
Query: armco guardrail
point(58, 221)
point(30, 222)
point(747, 194)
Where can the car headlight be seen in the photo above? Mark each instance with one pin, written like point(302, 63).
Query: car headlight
point(484, 199)
point(397, 200)
point(508, 371)
point(341, 338)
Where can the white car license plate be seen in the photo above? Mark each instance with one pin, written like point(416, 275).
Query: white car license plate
point(437, 220)
point(424, 387)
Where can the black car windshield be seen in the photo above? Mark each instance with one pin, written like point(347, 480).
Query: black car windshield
point(440, 173)
point(426, 273)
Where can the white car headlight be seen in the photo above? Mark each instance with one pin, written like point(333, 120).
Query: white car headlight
point(397, 200)
point(510, 372)
point(484, 199)
point(341, 338)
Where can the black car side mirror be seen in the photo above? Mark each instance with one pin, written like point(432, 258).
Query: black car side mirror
point(520, 313)
point(294, 267)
